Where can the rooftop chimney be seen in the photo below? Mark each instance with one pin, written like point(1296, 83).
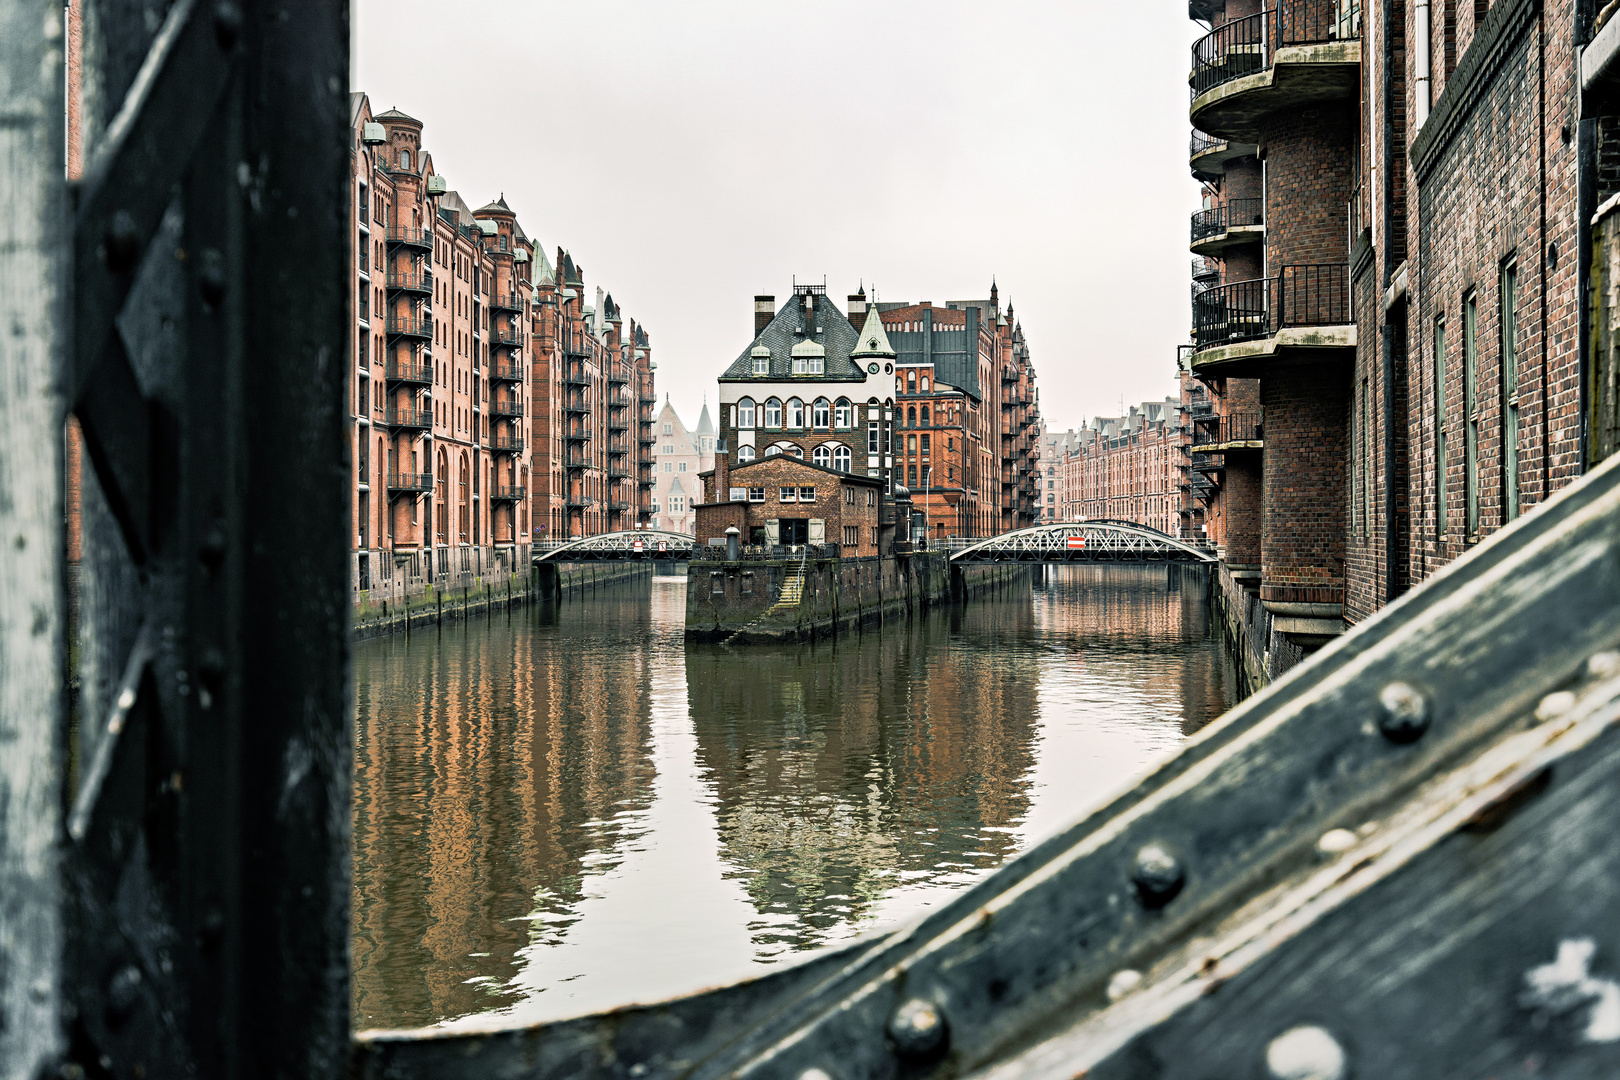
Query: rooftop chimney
point(857, 307)
point(764, 312)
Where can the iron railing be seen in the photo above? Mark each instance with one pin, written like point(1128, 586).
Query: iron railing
point(418, 283)
point(410, 481)
point(1205, 269)
point(507, 494)
point(504, 444)
point(1202, 143)
point(1234, 213)
point(410, 418)
point(506, 408)
point(506, 302)
point(1249, 45)
point(506, 372)
point(404, 327)
point(1306, 295)
point(409, 373)
point(506, 337)
point(398, 234)
point(1244, 426)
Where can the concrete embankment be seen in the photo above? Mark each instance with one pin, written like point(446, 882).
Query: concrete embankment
point(1259, 651)
point(794, 599)
point(438, 604)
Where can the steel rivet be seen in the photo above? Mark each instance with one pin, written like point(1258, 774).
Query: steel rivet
point(1159, 876)
point(815, 1074)
point(1403, 713)
point(1307, 1052)
point(918, 1029)
point(121, 246)
point(1335, 841)
point(1123, 982)
point(1554, 705)
point(227, 24)
point(1603, 664)
point(122, 990)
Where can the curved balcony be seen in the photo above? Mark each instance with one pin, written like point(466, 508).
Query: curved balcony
point(411, 283)
point(1234, 222)
point(408, 482)
point(414, 374)
point(507, 494)
point(410, 419)
point(1297, 54)
point(506, 302)
point(1208, 155)
point(1244, 430)
point(1237, 327)
point(408, 327)
point(417, 238)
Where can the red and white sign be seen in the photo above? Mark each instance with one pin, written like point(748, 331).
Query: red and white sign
point(1077, 541)
point(663, 545)
point(637, 545)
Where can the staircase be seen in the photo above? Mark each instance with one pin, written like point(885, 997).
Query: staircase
point(792, 592)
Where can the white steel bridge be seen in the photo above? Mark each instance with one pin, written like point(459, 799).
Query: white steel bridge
point(618, 546)
point(1096, 541)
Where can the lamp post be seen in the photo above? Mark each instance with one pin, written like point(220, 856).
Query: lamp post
point(928, 487)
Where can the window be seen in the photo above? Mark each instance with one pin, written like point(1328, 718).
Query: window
point(682, 468)
point(762, 364)
point(773, 413)
point(871, 500)
point(756, 494)
point(787, 494)
point(404, 159)
point(365, 300)
point(799, 367)
point(874, 536)
point(1471, 412)
point(911, 416)
point(925, 442)
point(668, 430)
point(1509, 321)
point(841, 415)
point(911, 382)
point(925, 420)
point(911, 476)
point(821, 415)
point(822, 456)
point(911, 444)
point(745, 413)
point(795, 413)
point(772, 450)
point(667, 448)
point(745, 453)
point(925, 384)
point(840, 458)
point(807, 494)
point(818, 365)
point(852, 535)
point(871, 436)
point(1440, 422)
point(849, 496)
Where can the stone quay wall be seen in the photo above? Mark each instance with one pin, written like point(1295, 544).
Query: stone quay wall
point(440, 603)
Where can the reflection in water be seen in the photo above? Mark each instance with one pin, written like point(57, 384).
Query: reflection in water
point(570, 808)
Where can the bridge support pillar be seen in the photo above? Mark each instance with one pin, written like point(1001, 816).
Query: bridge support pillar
point(547, 581)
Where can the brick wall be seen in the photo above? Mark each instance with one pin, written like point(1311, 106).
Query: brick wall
point(1302, 543)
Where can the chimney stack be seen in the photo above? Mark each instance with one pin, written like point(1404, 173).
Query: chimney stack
point(764, 312)
point(857, 308)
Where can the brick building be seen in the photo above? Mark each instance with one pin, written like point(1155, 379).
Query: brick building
point(465, 343)
point(1386, 316)
point(1053, 448)
point(784, 500)
point(678, 459)
point(1126, 468)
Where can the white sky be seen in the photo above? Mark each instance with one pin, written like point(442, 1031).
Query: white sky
point(691, 154)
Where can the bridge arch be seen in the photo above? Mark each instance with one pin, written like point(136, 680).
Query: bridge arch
point(621, 545)
point(1083, 541)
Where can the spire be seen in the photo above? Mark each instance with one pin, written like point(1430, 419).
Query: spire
point(873, 342)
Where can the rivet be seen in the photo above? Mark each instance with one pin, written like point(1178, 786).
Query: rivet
point(1335, 841)
point(815, 1074)
point(1603, 664)
point(1307, 1052)
point(1124, 981)
point(122, 990)
point(1555, 705)
point(227, 24)
point(121, 246)
point(1159, 876)
point(1403, 713)
point(918, 1029)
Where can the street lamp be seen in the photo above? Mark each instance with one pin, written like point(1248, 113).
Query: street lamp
point(928, 487)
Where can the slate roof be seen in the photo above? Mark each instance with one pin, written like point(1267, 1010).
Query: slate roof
point(852, 477)
point(497, 207)
point(394, 114)
point(838, 336)
point(952, 349)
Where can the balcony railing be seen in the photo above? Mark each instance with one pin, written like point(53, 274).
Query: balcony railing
point(410, 418)
point(510, 338)
point(1234, 213)
point(399, 326)
point(1249, 45)
point(575, 378)
point(1308, 295)
point(577, 403)
point(578, 434)
point(507, 494)
point(506, 302)
point(617, 424)
point(618, 376)
point(506, 408)
point(410, 481)
point(409, 373)
point(1204, 269)
point(422, 238)
point(417, 283)
point(1202, 143)
point(506, 444)
point(1245, 426)
point(506, 372)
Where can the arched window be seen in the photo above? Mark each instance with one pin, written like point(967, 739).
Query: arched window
point(925, 421)
point(745, 453)
point(795, 413)
point(404, 159)
point(795, 451)
point(745, 414)
point(821, 414)
point(464, 519)
point(773, 413)
point(821, 456)
point(925, 384)
point(911, 382)
point(443, 514)
point(841, 417)
point(911, 416)
point(772, 450)
point(840, 458)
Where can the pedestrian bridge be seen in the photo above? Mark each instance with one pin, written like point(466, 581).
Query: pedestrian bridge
point(1097, 541)
point(618, 546)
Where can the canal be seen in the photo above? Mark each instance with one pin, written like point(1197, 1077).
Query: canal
point(563, 809)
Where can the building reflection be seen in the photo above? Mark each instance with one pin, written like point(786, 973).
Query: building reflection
point(489, 781)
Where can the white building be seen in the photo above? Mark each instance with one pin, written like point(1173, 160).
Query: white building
point(677, 460)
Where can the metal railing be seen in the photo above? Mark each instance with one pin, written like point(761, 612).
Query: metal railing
point(505, 444)
point(1233, 213)
point(409, 373)
point(1244, 426)
point(403, 327)
point(398, 234)
point(1249, 45)
point(1306, 295)
point(421, 283)
point(1204, 268)
point(507, 494)
point(506, 408)
point(1202, 143)
point(506, 337)
point(410, 481)
point(410, 418)
point(506, 302)
point(506, 372)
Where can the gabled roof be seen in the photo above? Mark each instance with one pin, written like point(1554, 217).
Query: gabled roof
point(874, 341)
point(779, 459)
point(788, 329)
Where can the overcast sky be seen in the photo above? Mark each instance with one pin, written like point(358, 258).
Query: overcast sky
point(692, 154)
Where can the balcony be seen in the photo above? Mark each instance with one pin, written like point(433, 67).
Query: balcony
point(619, 447)
point(509, 339)
point(618, 376)
point(507, 494)
point(417, 238)
point(577, 403)
point(1208, 155)
point(508, 408)
point(1235, 431)
point(1205, 270)
point(1298, 54)
point(577, 459)
point(576, 378)
point(411, 283)
point(410, 419)
point(1237, 221)
point(617, 423)
point(505, 372)
point(401, 326)
point(577, 434)
point(1303, 307)
point(618, 506)
point(410, 482)
point(578, 502)
point(413, 374)
point(506, 444)
point(618, 472)
point(506, 302)
point(648, 399)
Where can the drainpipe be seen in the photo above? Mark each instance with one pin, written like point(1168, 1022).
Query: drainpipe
point(1425, 46)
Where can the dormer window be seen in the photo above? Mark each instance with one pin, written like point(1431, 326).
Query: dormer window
point(800, 365)
point(761, 357)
